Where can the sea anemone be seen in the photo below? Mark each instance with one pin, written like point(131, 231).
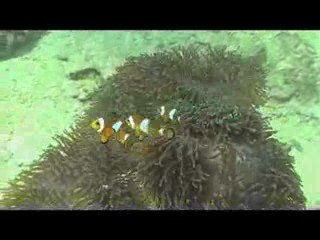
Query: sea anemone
point(222, 155)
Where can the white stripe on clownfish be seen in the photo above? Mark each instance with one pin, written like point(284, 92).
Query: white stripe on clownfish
point(117, 126)
point(131, 122)
point(101, 124)
point(162, 110)
point(144, 126)
point(171, 113)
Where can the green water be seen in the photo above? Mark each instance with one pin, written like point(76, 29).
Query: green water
point(37, 100)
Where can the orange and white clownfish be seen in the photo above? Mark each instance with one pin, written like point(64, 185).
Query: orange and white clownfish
point(111, 128)
point(134, 121)
point(170, 116)
point(144, 127)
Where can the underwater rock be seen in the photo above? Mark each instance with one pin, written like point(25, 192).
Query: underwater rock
point(91, 79)
point(16, 43)
point(282, 95)
point(85, 74)
point(222, 156)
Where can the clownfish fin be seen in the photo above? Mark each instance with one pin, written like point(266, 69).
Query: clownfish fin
point(126, 137)
point(103, 139)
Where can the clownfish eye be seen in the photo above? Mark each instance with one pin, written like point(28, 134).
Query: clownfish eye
point(97, 123)
point(128, 122)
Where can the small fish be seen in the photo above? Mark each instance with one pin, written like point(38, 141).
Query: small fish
point(134, 121)
point(98, 124)
point(145, 127)
point(170, 116)
point(136, 127)
point(111, 128)
point(157, 128)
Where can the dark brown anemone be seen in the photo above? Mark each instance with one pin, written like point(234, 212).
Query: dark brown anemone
point(221, 157)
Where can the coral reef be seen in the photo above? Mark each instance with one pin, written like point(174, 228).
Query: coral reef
point(222, 157)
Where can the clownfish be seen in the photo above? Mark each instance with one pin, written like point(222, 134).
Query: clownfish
point(144, 127)
point(170, 116)
point(137, 128)
point(139, 125)
point(109, 129)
